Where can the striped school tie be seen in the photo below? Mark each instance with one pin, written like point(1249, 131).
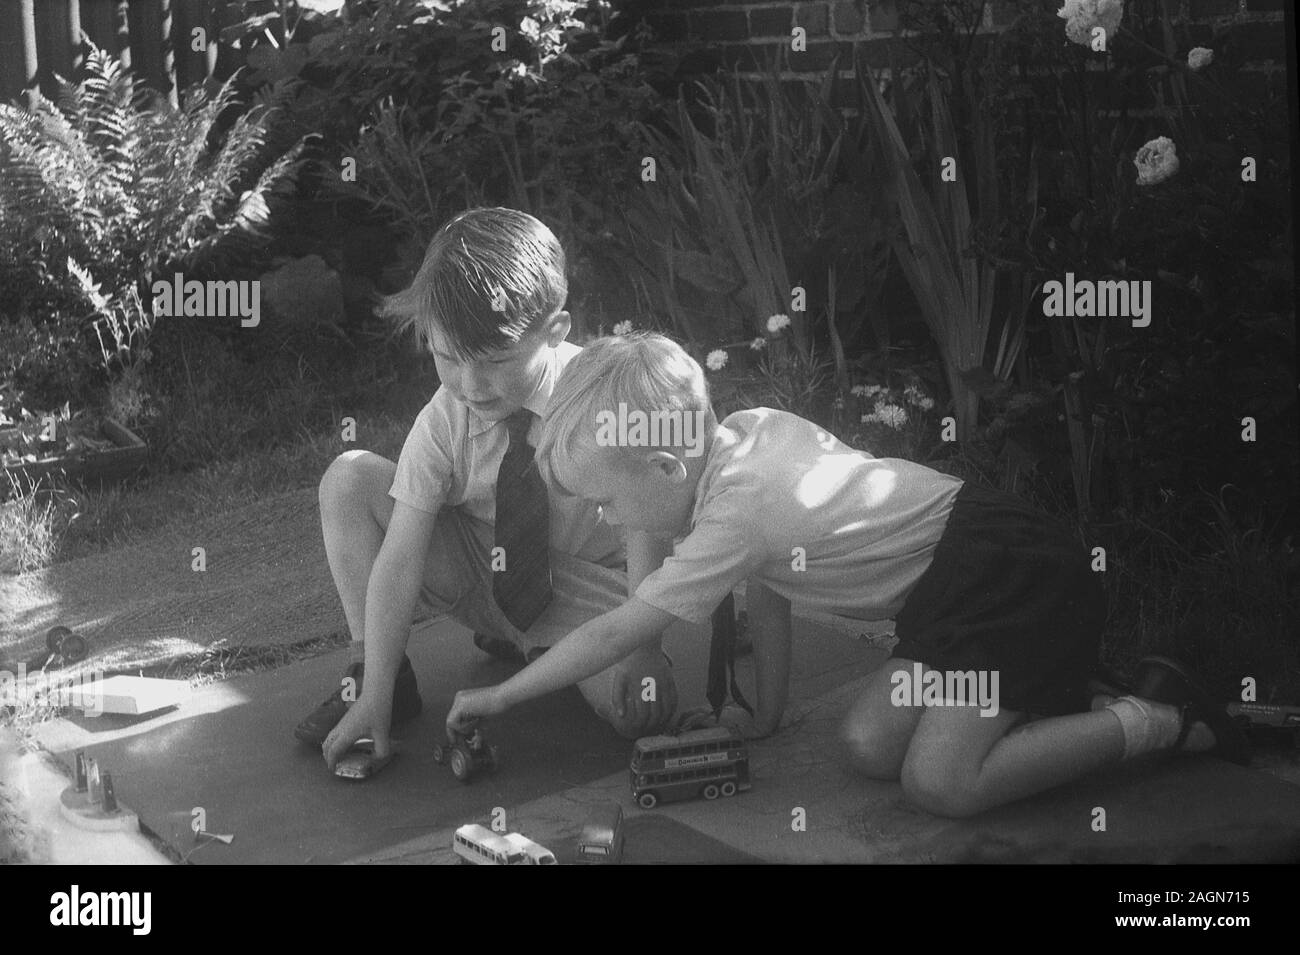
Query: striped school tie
point(523, 529)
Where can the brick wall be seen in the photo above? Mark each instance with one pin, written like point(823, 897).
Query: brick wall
point(743, 35)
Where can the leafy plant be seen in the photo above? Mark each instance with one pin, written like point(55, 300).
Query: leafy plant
point(954, 285)
point(762, 188)
point(111, 186)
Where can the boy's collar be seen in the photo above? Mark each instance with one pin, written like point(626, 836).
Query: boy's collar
point(536, 402)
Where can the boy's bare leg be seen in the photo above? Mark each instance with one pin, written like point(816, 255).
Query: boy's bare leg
point(876, 733)
point(355, 510)
point(954, 762)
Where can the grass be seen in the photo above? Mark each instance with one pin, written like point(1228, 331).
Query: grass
point(53, 523)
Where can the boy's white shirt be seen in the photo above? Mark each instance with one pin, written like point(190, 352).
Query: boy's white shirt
point(779, 493)
point(452, 455)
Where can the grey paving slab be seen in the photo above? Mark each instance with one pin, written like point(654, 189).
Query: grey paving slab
point(1184, 809)
point(230, 752)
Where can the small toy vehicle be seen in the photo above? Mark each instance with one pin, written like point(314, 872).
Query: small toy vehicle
point(60, 643)
point(468, 756)
point(1267, 719)
point(601, 842)
point(475, 845)
point(360, 762)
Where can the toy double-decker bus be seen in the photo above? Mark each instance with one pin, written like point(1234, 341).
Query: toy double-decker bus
point(710, 763)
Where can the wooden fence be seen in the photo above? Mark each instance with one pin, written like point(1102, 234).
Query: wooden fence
point(41, 38)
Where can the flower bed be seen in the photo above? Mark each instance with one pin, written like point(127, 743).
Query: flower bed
point(81, 448)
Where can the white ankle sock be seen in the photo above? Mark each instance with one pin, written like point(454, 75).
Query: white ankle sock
point(1147, 726)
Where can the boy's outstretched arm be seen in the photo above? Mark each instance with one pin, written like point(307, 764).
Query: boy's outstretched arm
point(595, 646)
point(645, 554)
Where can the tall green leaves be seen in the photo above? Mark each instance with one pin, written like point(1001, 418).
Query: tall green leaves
point(953, 287)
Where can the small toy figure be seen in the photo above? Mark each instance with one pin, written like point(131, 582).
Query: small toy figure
point(468, 755)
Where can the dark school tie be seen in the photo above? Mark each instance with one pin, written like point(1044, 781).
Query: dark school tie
point(523, 529)
point(722, 659)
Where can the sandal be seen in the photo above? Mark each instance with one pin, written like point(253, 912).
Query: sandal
point(1167, 681)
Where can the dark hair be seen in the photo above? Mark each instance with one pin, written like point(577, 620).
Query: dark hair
point(483, 258)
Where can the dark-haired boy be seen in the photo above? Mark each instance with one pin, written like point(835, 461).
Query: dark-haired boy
point(488, 302)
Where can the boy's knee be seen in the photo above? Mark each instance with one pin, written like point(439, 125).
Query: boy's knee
point(348, 479)
point(868, 751)
point(939, 793)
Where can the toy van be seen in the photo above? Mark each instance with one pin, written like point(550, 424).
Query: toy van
point(601, 842)
point(532, 852)
point(478, 845)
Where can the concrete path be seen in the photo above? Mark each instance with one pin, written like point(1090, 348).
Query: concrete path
point(230, 752)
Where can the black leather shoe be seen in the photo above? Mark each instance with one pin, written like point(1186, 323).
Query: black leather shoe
point(496, 647)
point(406, 704)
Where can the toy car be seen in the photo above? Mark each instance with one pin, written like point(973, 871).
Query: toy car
point(1267, 719)
point(601, 842)
point(468, 756)
point(60, 643)
point(360, 762)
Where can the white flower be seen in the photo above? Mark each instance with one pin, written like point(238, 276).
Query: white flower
point(858, 390)
point(1156, 161)
point(758, 344)
point(1081, 16)
point(777, 322)
point(870, 390)
point(716, 359)
point(917, 398)
point(1200, 58)
point(891, 415)
point(623, 328)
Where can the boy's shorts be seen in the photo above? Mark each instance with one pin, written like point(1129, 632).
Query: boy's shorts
point(458, 583)
point(1009, 590)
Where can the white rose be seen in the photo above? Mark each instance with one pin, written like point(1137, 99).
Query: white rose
point(777, 322)
point(1081, 16)
point(1156, 161)
point(1200, 57)
point(716, 359)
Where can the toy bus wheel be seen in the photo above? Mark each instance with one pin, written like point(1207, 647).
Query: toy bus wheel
point(647, 800)
point(460, 765)
point(728, 789)
point(710, 791)
point(439, 754)
point(55, 637)
point(73, 648)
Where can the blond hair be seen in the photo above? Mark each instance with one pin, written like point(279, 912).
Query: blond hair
point(642, 372)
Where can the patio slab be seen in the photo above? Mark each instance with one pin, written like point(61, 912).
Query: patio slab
point(230, 751)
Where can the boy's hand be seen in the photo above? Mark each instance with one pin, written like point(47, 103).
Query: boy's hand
point(470, 706)
point(365, 718)
point(650, 705)
point(732, 716)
